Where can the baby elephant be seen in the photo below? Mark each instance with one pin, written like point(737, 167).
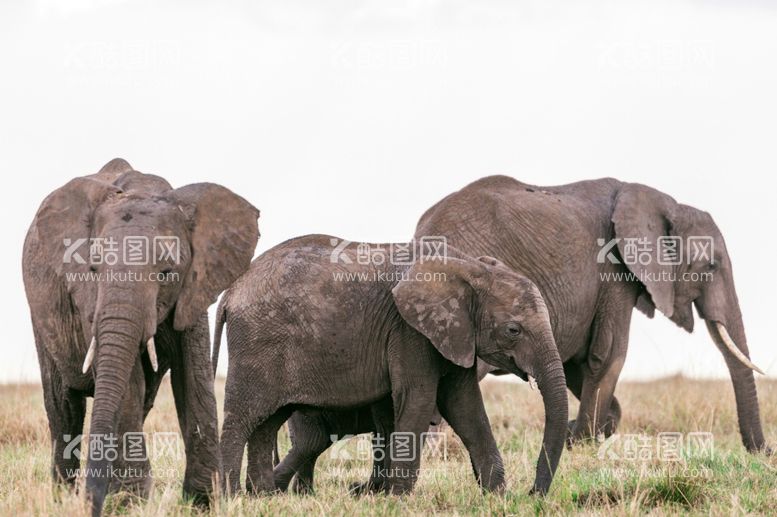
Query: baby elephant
point(311, 326)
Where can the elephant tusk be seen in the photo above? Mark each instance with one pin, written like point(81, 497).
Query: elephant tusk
point(732, 347)
point(89, 355)
point(151, 349)
point(532, 382)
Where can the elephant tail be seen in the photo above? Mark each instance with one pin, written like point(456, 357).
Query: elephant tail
point(221, 319)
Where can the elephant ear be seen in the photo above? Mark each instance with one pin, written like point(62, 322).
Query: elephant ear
point(643, 214)
point(441, 308)
point(64, 218)
point(58, 243)
point(224, 233)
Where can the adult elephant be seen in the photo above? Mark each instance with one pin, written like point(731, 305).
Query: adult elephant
point(559, 237)
point(119, 270)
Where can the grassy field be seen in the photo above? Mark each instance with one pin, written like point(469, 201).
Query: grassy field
point(634, 474)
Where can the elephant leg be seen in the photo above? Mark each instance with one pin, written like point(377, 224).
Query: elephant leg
point(131, 467)
point(65, 409)
point(240, 416)
point(461, 405)
point(168, 348)
point(309, 439)
point(382, 414)
point(153, 381)
point(600, 373)
point(574, 375)
point(383, 419)
point(613, 418)
point(261, 443)
point(234, 436)
point(413, 408)
point(195, 402)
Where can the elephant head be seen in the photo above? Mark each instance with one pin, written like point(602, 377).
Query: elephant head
point(479, 307)
point(700, 274)
point(156, 254)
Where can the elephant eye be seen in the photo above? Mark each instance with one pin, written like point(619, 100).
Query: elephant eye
point(167, 275)
point(513, 329)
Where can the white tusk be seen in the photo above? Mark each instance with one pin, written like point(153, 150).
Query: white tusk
point(151, 349)
point(89, 355)
point(732, 347)
point(532, 382)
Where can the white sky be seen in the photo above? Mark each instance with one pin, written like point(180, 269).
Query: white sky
point(353, 119)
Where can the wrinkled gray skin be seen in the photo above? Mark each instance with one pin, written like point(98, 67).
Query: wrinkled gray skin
point(217, 232)
point(301, 339)
point(550, 234)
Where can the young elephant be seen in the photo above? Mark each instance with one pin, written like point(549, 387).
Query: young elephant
point(311, 327)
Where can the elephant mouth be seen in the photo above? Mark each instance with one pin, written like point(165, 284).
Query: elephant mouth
point(520, 373)
point(507, 366)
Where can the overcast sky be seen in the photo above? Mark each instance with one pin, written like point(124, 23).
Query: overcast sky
point(353, 119)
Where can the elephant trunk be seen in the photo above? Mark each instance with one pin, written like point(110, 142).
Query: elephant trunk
point(748, 412)
point(119, 332)
point(549, 373)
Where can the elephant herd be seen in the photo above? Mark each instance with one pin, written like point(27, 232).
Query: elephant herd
point(120, 268)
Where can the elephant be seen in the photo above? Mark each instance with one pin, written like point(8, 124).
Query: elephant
point(576, 242)
point(119, 270)
point(313, 326)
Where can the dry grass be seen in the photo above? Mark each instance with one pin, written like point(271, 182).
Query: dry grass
point(728, 481)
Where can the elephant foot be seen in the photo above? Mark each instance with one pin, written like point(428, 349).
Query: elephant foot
point(399, 488)
point(200, 500)
point(261, 489)
point(579, 436)
point(301, 487)
point(571, 439)
point(138, 488)
point(367, 487)
point(60, 476)
point(128, 492)
point(202, 489)
point(763, 449)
